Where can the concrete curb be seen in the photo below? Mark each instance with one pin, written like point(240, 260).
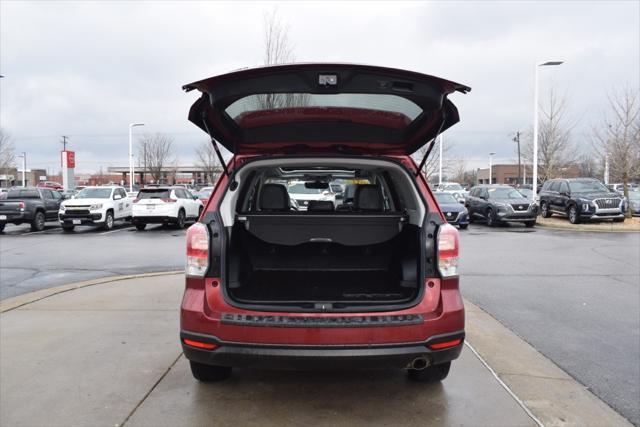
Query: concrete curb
point(583, 228)
point(28, 298)
point(552, 395)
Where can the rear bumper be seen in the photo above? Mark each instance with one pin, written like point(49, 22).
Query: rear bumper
point(14, 217)
point(318, 357)
point(160, 219)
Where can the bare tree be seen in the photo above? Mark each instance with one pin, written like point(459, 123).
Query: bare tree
point(208, 160)
point(459, 170)
point(618, 137)
point(554, 142)
point(7, 152)
point(431, 166)
point(278, 50)
point(587, 165)
point(156, 154)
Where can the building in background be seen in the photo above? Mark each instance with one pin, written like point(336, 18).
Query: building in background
point(508, 174)
point(10, 177)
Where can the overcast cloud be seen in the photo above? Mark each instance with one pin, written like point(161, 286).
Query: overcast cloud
point(87, 69)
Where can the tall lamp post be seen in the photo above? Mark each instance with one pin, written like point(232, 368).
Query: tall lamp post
point(131, 170)
point(24, 168)
point(535, 122)
point(491, 167)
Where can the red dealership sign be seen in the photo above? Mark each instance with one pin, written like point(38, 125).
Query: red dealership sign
point(71, 158)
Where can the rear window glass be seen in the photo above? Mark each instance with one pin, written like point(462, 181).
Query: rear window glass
point(300, 188)
point(23, 194)
point(154, 194)
point(262, 102)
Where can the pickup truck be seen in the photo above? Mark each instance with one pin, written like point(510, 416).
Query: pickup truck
point(100, 206)
point(29, 205)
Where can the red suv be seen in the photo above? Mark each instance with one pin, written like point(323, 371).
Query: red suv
point(367, 281)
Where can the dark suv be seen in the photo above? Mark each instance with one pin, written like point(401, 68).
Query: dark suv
point(580, 199)
point(362, 283)
point(500, 203)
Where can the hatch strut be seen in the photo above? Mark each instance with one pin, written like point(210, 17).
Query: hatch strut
point(433, 142)
point(215, 144)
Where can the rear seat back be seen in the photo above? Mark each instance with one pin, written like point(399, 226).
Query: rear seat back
point(368, 198)
point(320, 206)
point(274, 198)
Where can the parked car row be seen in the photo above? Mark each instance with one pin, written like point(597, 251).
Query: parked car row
point(100, 206)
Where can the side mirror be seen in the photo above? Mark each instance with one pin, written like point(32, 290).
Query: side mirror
point(461, 201)
point(195, 197)
point(326, 193)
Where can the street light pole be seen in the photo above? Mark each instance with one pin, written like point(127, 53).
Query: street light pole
point(535, 122)
point(24, 169)
point(440, 162)
point(606, 168)
point(131, 170)
point(490, 168)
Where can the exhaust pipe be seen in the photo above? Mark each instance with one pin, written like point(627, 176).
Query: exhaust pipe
point(419, 363)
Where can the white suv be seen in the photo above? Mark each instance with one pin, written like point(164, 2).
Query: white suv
point(100, 206)
point(165, 205)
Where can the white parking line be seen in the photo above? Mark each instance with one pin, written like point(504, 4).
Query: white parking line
point(115, 231)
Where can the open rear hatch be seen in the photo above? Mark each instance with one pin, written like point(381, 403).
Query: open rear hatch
point(324, 107)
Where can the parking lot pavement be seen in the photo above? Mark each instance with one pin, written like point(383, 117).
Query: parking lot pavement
point(109, 355)
point(37, 260)
point(575, 296)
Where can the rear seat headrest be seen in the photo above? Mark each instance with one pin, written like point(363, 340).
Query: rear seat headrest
point(368, 198)
point(349, 193)
point(274, 197)
point(320, 206)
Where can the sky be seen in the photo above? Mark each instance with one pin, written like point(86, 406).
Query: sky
point(88, 69)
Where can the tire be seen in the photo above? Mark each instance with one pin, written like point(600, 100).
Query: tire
point(529, 224)
point(574, 218)
point(209, 373)
point(38, 221)
point(141, 227)
point(200, 209)
point(2, 224)
point(491, 218)
point(68, 228)
point(463, 226)
point(108, 221)
point(544, 210)
point(430, 374)
point(181, 219)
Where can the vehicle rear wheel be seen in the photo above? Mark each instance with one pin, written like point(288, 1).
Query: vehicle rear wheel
point(573, 215)
point(491, 218)
point(463, 226)
point(200, 209)
point(141, 227)
point(544, 210)
point(209, 373)
point(108, 221)
point(430, 374)
point(181, 219)
point(68, 228)
point(38, 222)
point(529, 224)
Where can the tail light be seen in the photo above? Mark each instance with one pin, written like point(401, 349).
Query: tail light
point(169, 200)
point(197, 250)
point(21, 206)
point(448, 250)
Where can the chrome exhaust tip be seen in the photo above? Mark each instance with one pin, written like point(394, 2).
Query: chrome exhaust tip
point(419, 363)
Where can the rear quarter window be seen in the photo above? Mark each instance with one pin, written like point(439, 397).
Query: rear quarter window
point(23, 194)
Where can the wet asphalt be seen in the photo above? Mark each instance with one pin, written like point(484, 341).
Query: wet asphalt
point(574, 296)
point(31, 261)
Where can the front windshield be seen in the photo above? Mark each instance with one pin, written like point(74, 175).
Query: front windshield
point(299, 188)
point(94, 193)
point(587, 186)
point(504, 193)
point(445, 198)
point(526, 192)
point(205, 192)
point(451, 187)
point(634, 195)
